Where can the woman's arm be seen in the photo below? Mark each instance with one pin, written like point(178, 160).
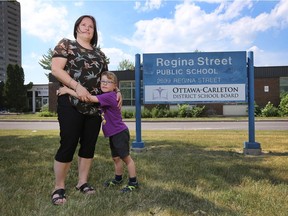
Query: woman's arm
point(57, 69)
point(119, 97)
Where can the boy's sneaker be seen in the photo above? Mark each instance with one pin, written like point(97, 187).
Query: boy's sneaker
point(112, 182)
point(130, 187)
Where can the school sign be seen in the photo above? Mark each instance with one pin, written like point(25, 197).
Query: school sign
point(200, 77)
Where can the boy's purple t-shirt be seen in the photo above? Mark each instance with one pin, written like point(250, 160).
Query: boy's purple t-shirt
point(112, 114)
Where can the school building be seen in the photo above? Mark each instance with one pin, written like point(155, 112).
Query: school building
point(269, 83)
point(37, 97)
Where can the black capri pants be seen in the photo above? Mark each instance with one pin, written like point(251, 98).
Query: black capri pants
point(75, 128)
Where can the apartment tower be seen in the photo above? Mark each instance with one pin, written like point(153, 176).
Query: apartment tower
point(10, 36)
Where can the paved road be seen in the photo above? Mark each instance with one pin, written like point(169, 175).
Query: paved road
point(233, 125)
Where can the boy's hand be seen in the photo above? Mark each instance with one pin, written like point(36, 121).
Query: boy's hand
point(90, 98)
point(61, 91)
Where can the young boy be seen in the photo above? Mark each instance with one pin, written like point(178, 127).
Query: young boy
point(114, 128)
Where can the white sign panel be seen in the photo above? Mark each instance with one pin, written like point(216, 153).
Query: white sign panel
point(195, 93)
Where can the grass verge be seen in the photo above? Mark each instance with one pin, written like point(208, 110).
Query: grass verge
point(37, 117)
point(181, 173)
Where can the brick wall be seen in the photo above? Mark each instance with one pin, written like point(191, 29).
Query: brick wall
point(273, 95)
point(53, 86)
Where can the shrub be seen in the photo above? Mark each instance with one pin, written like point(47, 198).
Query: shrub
point(269, 110)
point(171, 113)
point(47, 114)
point(160, 111)
point(45, 108)
point(44, 112)
point(127, 114)
point(283, 106)
point(155, 112)
point(257, 110)
point(146, 113)
point(197, 111)
point(184, 110)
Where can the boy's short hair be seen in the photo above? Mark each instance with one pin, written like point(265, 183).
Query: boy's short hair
point(110, 75)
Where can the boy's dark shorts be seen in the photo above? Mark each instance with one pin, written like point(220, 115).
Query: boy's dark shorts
point(119, 144)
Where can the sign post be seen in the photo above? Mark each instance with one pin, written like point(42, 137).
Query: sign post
point(251, 147)
point(138, 145)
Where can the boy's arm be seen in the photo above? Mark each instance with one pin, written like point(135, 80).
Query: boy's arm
point(93, 99)
point(65, 90)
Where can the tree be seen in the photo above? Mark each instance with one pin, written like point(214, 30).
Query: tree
point(45, 62)
point(14, 89)
point(126, 65)
point(2, 104)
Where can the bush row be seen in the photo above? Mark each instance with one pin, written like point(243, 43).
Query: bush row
point(162, 111)
point(272, 111)
point(188, 111)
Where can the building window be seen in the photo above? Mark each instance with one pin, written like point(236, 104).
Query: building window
point(128, 92)
point(283, 85)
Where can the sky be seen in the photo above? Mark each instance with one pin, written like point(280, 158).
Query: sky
point(126, 28)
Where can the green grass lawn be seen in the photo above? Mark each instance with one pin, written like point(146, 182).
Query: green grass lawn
point(181, 173)
point(37, 117)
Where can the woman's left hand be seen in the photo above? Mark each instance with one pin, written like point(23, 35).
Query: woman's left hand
point(119, 99)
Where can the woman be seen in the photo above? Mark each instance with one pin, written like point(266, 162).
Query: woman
point(78, 64)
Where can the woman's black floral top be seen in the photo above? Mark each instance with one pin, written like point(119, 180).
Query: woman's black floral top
point(85, 66)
